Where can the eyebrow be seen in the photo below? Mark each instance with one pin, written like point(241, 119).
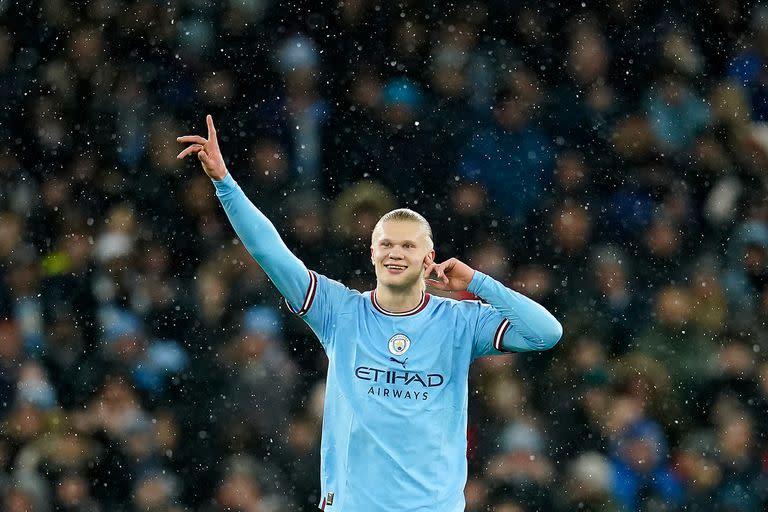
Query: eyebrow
point(404, 241)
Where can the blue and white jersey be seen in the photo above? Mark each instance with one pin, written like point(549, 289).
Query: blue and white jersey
point(395, 417)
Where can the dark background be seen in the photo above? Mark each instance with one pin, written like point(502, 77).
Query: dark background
point(607, 159)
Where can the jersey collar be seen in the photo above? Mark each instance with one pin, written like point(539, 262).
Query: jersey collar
point(422, 304)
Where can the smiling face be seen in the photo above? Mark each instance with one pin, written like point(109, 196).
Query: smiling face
point(399, 249)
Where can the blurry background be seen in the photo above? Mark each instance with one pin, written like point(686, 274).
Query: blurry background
point(606, 158)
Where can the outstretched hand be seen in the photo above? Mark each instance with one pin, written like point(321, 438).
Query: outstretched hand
point(207, 151)
point(452, 275)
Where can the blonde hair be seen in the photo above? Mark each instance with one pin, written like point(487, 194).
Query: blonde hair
point(406, 214)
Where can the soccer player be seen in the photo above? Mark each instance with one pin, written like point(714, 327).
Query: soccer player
point(395, 415)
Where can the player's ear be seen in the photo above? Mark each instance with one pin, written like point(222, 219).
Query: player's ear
point(429, 258)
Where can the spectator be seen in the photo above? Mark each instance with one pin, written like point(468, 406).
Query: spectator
point(141, 360)
point(510, 149)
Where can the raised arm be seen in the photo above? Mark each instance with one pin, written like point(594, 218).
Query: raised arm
point(257, 233)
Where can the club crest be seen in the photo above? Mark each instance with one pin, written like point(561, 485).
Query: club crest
point(399, 344)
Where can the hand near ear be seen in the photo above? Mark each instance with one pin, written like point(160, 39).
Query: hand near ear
point(452, 274)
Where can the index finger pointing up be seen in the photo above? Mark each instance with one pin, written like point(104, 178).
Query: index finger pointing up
point(211, 128)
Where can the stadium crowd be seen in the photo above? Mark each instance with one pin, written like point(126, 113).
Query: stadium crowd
point(607, 159)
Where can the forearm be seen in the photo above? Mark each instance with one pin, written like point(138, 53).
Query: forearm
point(534, 324)
point(263, 242)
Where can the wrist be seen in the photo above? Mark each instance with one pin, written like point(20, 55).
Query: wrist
point(225, 185)
point(219, 175)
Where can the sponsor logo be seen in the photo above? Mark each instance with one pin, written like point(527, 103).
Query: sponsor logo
point(329, 499)
point(405, 394)
point(405, 385)
point(399, 361)
point(426, 380)
point(399, 344)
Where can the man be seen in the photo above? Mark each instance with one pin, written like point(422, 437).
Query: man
point(395, 417)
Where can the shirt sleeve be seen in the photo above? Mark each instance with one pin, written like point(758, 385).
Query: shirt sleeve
point(510, 321)
point(321, 307)
point(263, 242)
point(312, 296)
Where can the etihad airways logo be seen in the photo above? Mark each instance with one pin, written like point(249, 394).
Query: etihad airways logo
point(407, 378)
point(407, 383)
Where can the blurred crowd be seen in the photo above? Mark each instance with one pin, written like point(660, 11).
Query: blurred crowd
point(607, 159)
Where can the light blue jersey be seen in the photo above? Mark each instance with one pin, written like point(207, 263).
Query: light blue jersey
point(395, 417)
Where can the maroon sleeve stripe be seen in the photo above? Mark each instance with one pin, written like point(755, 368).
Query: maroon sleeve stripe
point(499, 336)
point(308, 298)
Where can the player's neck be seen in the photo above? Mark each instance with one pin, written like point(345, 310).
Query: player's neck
point(398, 300)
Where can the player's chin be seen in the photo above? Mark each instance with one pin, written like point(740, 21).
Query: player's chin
point(404, 280)
point(387, 277)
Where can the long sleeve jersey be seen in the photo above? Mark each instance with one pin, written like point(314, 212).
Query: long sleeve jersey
point(395, 413)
